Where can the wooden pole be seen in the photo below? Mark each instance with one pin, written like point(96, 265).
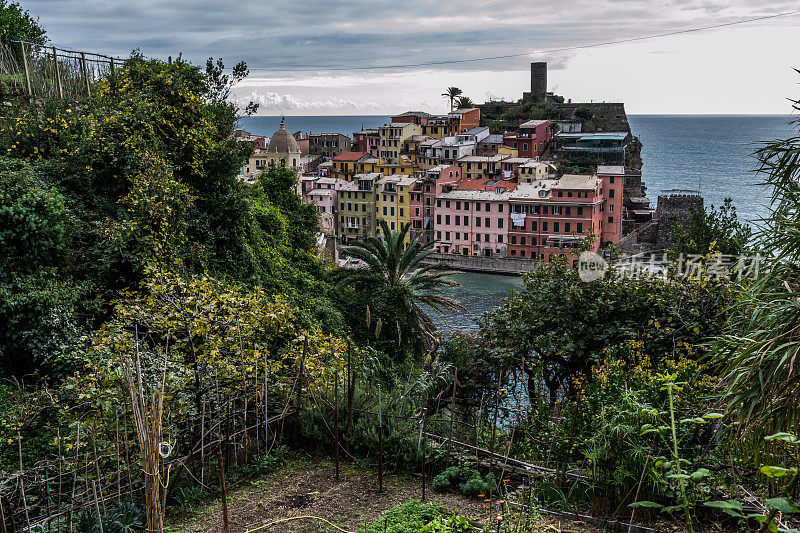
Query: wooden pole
point(350, 384)
point(85, 74)
point(27, 72)
point(58, 73)
point(2, 518)
point(266, 402)
point(452, 414)
point(380, 442)
point(97, 505)
point(494, 431)
point(221, 465)
point(336, 419)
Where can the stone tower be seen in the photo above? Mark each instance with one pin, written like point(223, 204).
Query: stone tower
point(538, 80)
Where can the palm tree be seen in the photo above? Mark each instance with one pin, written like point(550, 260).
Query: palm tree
point(398, 284)
point(452, 93)
point(464, 102)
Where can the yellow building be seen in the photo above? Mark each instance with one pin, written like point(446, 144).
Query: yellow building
point(357, 207)
point(393, 201)
point(347, 164)
point(403, 168)
point(393, 136)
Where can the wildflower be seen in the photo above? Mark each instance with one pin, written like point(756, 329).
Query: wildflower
point(487, 500)
point(500, 502)
point(481, 495)
point(506, 480)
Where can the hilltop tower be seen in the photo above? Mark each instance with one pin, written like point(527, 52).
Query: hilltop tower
point(539, 80)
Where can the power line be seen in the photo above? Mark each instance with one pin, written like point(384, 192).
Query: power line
point(307, 68)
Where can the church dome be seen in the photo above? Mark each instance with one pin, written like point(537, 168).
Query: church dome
point(283, 142)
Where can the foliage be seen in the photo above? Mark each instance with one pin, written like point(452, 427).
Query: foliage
point(396, 284)
point(17, 24)
point(760, 348)
point(584, 320)
point(717, 229)
point(452, 93)
point(409, 517)
point(583, 113)
point(464, 102)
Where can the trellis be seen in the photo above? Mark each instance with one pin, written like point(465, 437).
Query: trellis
point(39, 72)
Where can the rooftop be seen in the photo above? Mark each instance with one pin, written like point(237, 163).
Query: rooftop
point(463, 111)
point(611, 170)
point(397, 179)
point(533, 123)
point(349, 156)
point(577, 181)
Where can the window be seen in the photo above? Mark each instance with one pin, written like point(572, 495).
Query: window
point(555, 227)
point(544, 226)
point(458, 235)
point(384, 211)
point(392, 226)
point(612, 179)
point(438, 219)
point(477, 222)
point(522, 241)
point(447, 204)
point(513, 239)
point(401, 212)
point(513, 252)
point(580, 211)
point(466, 220)
point(447, 220)
point(477, 206)
point(447, 235)
point(499, 208)
point(488, 207)
point(569, 210)
point(500, 223)
point(402, 199)
point(391, 211)
point(566, 227)
point(560, 194)
point(488, 222)
point(458, 205)
point(569, 194)
point(611, 193)
point(544, 209)
point(438, 203)
point(610, 220)
point(533, 241)
point(499, 238)
point(416, 211)
point(533, 225)
point(458, 220)
point(522, 253)
point(466, 205)
point(438, 234)
point(477, 237)
point(610, 208)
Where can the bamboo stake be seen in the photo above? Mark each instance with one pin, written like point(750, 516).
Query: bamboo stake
point(22, 481)
point(27, 73)
point(58, 73)
point(221, 468)
point(380, 442)
point(97, 506)
point(336, 420)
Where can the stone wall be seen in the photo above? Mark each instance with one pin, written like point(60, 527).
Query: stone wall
point(671, 209)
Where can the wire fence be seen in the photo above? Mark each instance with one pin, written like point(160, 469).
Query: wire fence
point(37, 72)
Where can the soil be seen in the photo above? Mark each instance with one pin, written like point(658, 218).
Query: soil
point(309, 489)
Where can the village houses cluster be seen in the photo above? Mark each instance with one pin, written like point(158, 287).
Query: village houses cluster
point(472, 191)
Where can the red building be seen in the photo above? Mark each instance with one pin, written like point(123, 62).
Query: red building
point(413, 117)
point(532, 138)
point(549, 217)
point(368, 141)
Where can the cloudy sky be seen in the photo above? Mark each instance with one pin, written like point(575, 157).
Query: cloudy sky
point(310, 57)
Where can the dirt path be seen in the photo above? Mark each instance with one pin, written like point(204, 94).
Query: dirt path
point(309, 489)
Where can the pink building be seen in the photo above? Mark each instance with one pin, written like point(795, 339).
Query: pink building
point(472, 219)
point(368, 141)
point(423, 197)
point(323, 193)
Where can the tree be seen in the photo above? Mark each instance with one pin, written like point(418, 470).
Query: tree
point(717, 229)
point(759, 351)
point(464, 102)
point(559, 328)
point(583, 112)
point(398, 285)
point(452, 93)
point(17, 24)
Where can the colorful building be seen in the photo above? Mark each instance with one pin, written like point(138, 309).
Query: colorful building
point(478, 167)
point(472, 219)
point(393, 136)
point(357, 211)
point(532, 139)
point(347, 164)
point(549, 217)
point(329, 144)
point(393, 200)
point(461, 120)
point(430, 183)
point(368, 141)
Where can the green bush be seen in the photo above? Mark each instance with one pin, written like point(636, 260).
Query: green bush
point(474, 486)
point(409, 517)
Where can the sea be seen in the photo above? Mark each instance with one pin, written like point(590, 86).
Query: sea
point(709, 153)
